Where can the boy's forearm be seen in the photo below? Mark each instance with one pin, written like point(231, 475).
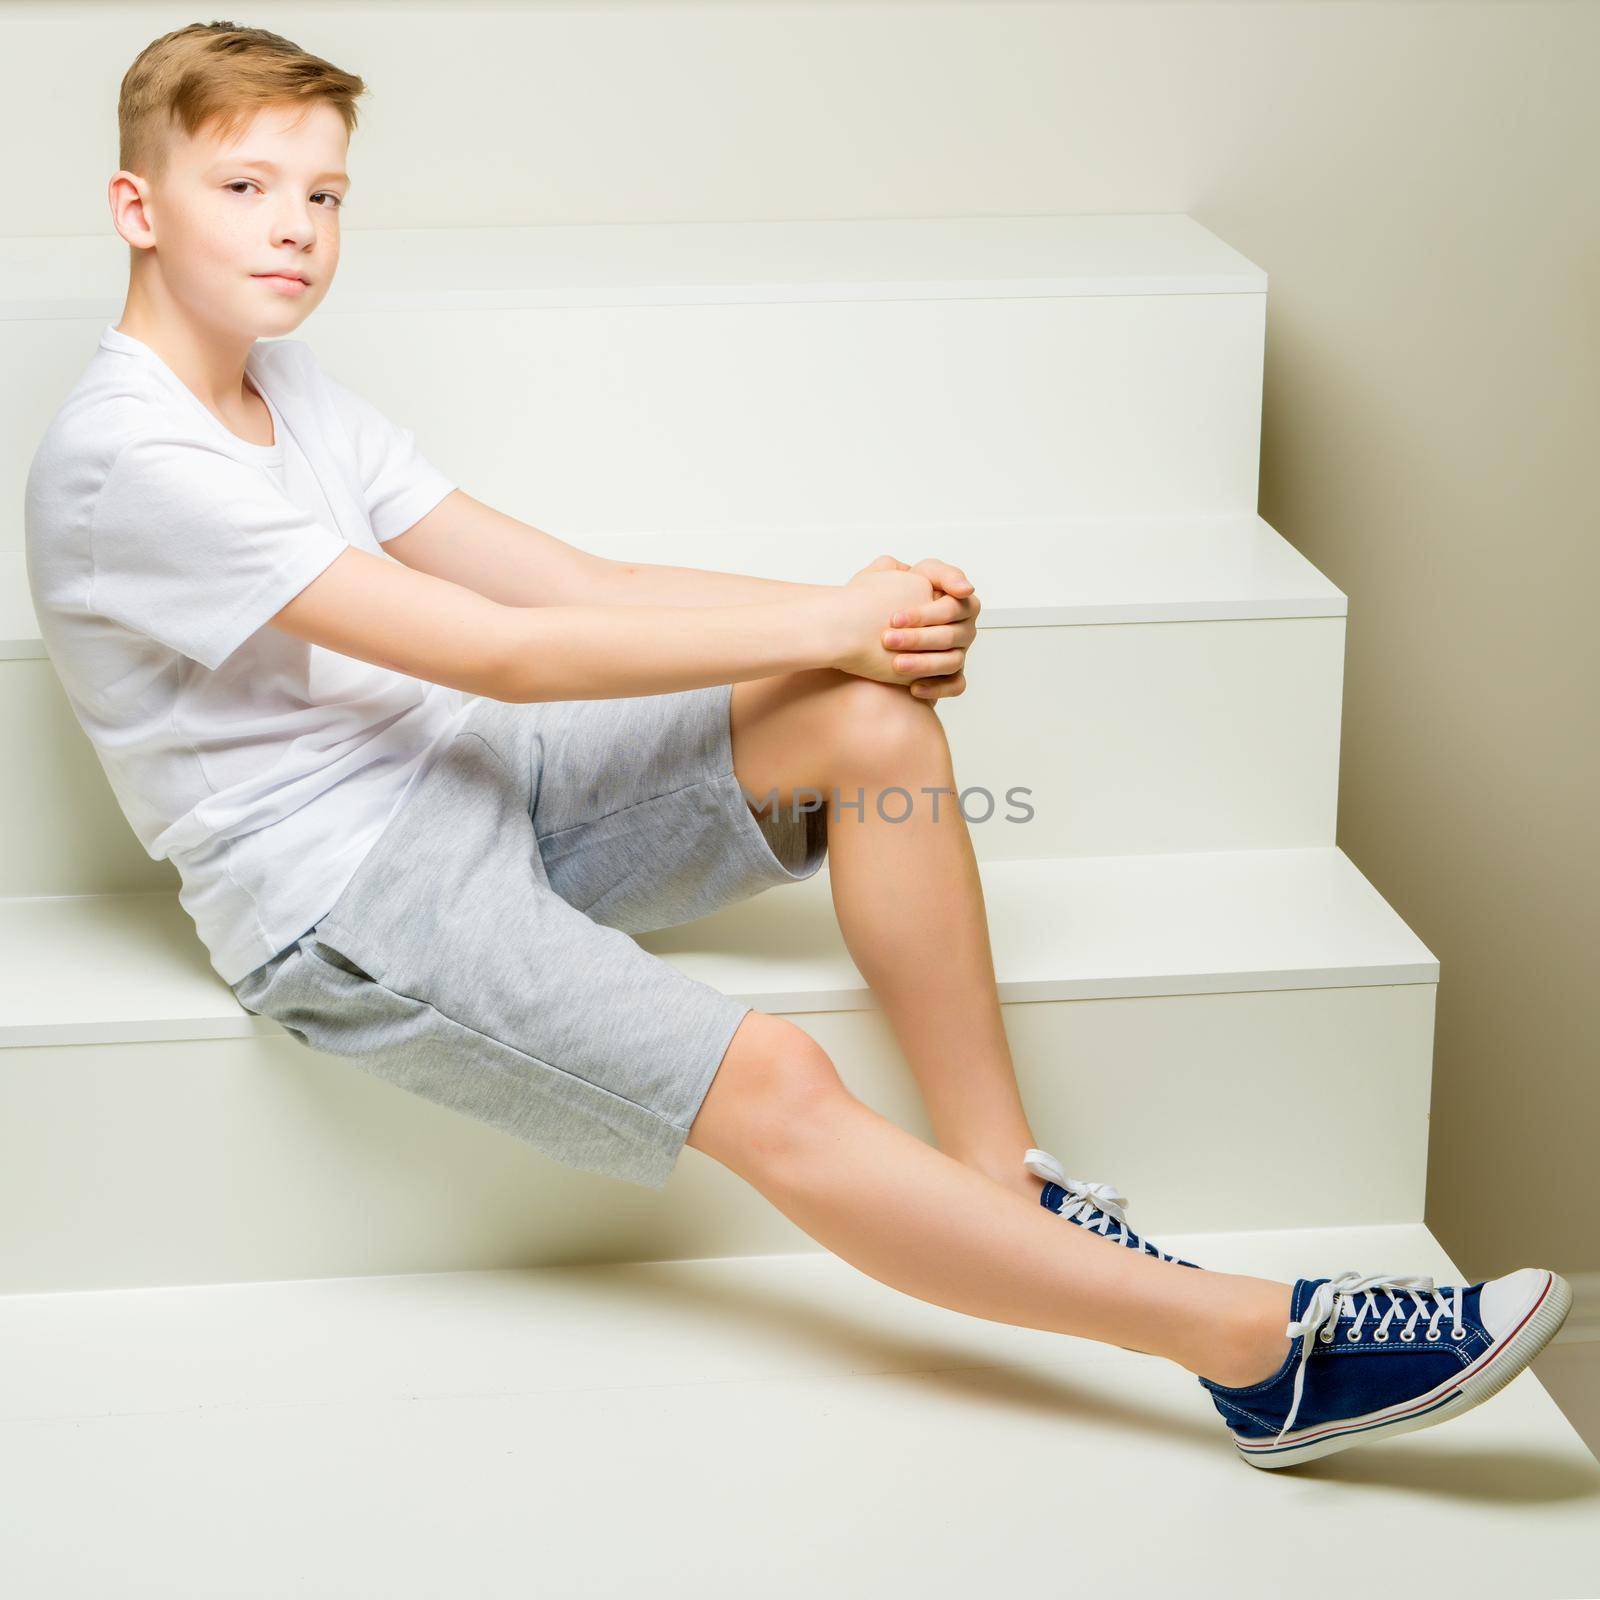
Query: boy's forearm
point(650, 583)
point(592, 652)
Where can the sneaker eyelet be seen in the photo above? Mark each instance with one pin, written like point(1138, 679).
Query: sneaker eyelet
point(1407, 1335)
point(1354, 1336)
point(1431, 1335)
point(1381, 1337)
point(1458, 1333)
point(1326, 1336)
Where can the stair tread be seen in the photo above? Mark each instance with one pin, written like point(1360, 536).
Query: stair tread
point(1060, 572)
point(696, 263)
point(1076, 927)
point(1090, 927)
point(862, 1437)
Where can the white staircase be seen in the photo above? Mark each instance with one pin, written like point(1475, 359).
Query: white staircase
point(1209, 1005)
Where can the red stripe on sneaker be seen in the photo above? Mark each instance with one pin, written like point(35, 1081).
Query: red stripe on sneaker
point(1427, 1401)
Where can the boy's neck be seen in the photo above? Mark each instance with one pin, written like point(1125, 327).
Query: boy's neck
point(214, 373)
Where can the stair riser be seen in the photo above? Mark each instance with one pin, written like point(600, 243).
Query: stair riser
point(1237, 720)
point(694, 418)
point(212, 1161)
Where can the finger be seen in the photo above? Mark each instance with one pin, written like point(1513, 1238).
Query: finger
point(941, 608)
point(942, 636)
point(953, 607)
point(945, 637)
point(939, 688)
point(932, 664)
point(951, 579)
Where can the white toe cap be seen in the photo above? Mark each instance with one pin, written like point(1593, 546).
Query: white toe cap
point(1505, 1301)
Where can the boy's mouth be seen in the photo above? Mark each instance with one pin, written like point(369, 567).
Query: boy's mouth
point(290, 282)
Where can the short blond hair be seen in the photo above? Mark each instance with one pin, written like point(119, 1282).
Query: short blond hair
point(217, 70)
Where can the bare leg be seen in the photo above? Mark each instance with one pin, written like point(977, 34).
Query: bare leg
point(907, 893)
point(778, 1115)
point(958, 1226)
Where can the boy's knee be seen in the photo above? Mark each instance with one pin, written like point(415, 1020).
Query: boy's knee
point(772, 1094)
point(880, 723)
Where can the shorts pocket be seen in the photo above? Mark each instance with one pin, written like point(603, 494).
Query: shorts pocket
point(335, 946)
point(318, 950)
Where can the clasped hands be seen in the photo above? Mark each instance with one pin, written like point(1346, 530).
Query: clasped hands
point(930, 626)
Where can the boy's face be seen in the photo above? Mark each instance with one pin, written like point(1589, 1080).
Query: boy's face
point(228, 219)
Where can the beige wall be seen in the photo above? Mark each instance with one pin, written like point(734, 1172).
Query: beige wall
point(1432, 412)
point(1419, 181)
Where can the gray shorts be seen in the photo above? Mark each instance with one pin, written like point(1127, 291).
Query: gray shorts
point(480, 956)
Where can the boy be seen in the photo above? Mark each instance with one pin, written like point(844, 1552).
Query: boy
point(424, 768)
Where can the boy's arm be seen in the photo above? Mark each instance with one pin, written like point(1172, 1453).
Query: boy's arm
point(471, 544)
point(413, 622)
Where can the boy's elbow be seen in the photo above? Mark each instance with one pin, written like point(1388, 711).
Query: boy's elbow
point(592, 581)
point(500, 656)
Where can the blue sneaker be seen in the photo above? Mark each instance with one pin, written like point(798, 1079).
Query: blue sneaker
point(1094, 1206)
point(1376, 1357)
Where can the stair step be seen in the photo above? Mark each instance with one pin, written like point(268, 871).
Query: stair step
point(1160, 1010)
point(1200, 657)
point(1047, 572)
point(844, 1437)
point(1090, 928)
point(1077, 928)
point(693, 376)
point(1050, 572)
point(695, 263)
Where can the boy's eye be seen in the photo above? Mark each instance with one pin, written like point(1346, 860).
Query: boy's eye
point(247, 183)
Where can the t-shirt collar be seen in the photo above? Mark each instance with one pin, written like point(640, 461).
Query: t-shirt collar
point(113, 338)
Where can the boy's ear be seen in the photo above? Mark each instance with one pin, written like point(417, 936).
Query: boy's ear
point(128, 196)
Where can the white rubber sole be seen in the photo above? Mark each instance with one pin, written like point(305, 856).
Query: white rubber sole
point(1540, 1320)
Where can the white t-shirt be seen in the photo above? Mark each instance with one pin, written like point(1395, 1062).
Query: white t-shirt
point(159, 544)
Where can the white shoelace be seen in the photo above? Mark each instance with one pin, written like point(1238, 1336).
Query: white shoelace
point(1087, 1199)
point(1349, 1294)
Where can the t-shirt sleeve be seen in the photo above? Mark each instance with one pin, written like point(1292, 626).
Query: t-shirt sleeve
point(197, 549)
point(401, 485)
